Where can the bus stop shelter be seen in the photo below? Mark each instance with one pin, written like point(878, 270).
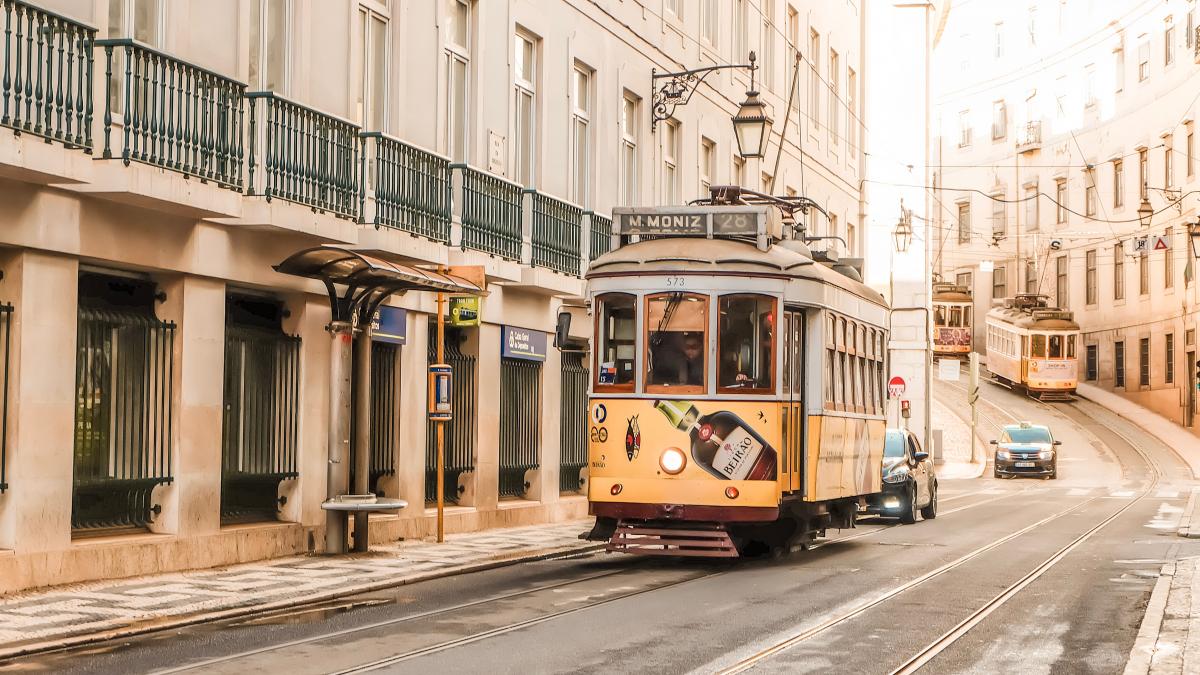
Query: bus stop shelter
point(357, 284)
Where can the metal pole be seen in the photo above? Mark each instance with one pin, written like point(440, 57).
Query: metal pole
point(441, 425)
point(973, 395)
point(362, 428)
point(787, 118)
point(339, 432)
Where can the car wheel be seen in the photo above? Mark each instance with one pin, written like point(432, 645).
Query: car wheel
point(995, 473)
point(930, 512)
point(908, 510)
point(1054, 472)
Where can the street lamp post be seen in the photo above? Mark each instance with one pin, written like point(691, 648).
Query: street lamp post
point(751, 124)
point(1145, 212)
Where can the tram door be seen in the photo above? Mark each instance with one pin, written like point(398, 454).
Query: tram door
point(795, 421)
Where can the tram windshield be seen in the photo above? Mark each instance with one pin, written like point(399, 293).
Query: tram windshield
point(616, 342)
point(939, 315)
point(747, 337)
point(1053, 347)
point(676, 340)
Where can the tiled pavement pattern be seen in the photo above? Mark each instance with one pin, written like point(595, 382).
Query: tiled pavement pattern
point(113, 605)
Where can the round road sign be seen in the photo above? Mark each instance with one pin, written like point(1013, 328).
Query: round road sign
point(896, 387)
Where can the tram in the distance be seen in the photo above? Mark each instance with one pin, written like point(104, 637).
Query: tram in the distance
point(738, 379)
point(1033, 346)
point(952, 309)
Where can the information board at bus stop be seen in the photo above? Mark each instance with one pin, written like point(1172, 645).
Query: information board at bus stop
point(522, 343)
point(390, 325)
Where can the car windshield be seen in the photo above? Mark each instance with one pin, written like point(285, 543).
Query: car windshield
point(1030, 435)
point(894, 445)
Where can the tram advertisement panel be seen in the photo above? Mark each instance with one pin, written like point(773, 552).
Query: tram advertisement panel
point(686, 440)
point(952, 337)
point(1052, 372)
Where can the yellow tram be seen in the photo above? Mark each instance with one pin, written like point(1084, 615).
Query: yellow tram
point(1033, 346)
point(952, 309)
point(737, 396)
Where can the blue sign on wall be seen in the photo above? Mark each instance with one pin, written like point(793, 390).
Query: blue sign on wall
point(522, 343)
point(390, 324)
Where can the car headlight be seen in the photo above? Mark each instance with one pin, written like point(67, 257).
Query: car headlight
point(896, 475)
point(672, 460)
point(1003, 454)
point(1046, 454)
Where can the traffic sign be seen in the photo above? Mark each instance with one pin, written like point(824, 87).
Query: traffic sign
point(1162, 242)
point(896, 386)
point(1141, 244)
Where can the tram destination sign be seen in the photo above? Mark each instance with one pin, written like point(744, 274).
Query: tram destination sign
point(691, 221)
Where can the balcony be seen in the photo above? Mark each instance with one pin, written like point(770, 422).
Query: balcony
point(1029, 137)
point(491, 214)
point(303, 156)
point(601, 236)
point(555, 234)
point(172, 114)
point(410, 187)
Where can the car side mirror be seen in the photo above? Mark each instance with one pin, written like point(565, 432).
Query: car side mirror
point(1058, 442)
point(921, 456)
point(993, 441)
point(562, 329)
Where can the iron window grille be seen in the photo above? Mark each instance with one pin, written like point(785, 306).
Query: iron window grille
point(123, 405)
point(459, 431)
point(520, 428)
point(385, 411)
point(573, 449)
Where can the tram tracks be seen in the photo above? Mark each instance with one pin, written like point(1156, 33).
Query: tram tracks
point(977, 616)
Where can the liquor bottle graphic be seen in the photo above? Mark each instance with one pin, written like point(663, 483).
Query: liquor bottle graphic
point(722, 443)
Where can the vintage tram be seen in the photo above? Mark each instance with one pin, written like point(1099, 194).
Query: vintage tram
point(1033, 347)
point(952, 309)
point(737, 397)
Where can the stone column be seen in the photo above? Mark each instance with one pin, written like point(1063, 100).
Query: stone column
point(487, 409)
point(191, 505)
point(410, 451)
point(35, 512)
point(309, 316)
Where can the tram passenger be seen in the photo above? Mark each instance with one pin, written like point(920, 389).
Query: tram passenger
point(679, 360)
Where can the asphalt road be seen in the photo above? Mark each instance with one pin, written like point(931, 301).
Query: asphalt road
point(1030, 576)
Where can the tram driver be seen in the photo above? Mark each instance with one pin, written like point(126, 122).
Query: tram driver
point(680, 359)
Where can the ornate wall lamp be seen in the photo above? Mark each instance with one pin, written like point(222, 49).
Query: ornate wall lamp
point(751, 124)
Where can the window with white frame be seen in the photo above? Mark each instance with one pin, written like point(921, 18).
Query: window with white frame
point(814, 89)
point(998, 51)
point(629, 149)
point(1089, 86)
point(1168, 160)
point(1143, 58)
point(1031, 208)
point(581, 138)
point(999, 217)
point(141, 20)
point(964, 128)
point(1118, 183)
point(1169, 261)
point(834, 63)
point(1032, 26)
point(709, 22)
point(739, 171)
point(964, 222)
point(670, 163)
point(1090, 202)
point(372, 86)
point(741, 43)
point(1060, 196)
point(793, 36)
point(999, 282)
point(768, 45)
point(525, 107)
point(708, 158)
point(675, 7)
point(1169, 45)
point(851, 237)
point(1119, 69)
point(852, 110)
point(999, 120)
point(458, 79)
point(269, 43)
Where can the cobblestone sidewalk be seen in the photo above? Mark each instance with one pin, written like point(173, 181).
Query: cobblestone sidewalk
point(80, 613)
point(956, 438)
point(1169, 639)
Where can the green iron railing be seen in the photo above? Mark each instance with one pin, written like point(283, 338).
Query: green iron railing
point(572, 444)
point(491, 214)
point(6, 314)
point(556, 234)
point(47, 81)
point(601, 241)
point(173, 114)
point(520, 430)
point(302, 155)
point(124, 362)
point(411, 186)
point(260, 425)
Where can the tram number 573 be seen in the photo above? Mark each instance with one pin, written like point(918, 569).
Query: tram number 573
point(675, 282)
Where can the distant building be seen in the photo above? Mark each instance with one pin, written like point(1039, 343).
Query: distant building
point(167, 391)
point(1056, 120)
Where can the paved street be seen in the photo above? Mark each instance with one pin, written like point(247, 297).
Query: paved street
point(1032, 576)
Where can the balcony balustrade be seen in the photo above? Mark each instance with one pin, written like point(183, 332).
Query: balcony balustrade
point(302, 155)
point(173, 114)
point(491, 213)
point(601, 240)
point(555, 234)
point(1029, 137)
point(410, 186)
point(46, 88)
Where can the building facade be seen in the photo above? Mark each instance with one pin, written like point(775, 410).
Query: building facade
point(167, 392)
point(1058, 121)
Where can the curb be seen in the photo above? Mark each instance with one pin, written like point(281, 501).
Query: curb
point(1185, 522)
point(155, 624)
point(1142, 654)
point(1134, 422)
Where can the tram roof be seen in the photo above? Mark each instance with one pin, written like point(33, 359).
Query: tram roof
point(1035, 319)
point(724, 257)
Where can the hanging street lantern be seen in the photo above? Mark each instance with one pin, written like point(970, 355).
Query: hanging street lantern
point(903, 233)
point(1145, 212)
point(752, 126)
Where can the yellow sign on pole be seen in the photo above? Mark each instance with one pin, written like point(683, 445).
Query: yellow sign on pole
point(465, 310)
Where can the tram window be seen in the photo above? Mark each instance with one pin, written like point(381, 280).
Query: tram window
point(967, 316)
point(746, 336)
point(1039, 347)
point(956, 317)
point(616, 330)
point(1070, 346)
point(939, 315)
point(1056, 346)
point(676, 342)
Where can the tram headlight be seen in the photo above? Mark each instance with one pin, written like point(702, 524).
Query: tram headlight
point(672, 461)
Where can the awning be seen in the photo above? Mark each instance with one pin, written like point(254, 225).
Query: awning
point(336, 265)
